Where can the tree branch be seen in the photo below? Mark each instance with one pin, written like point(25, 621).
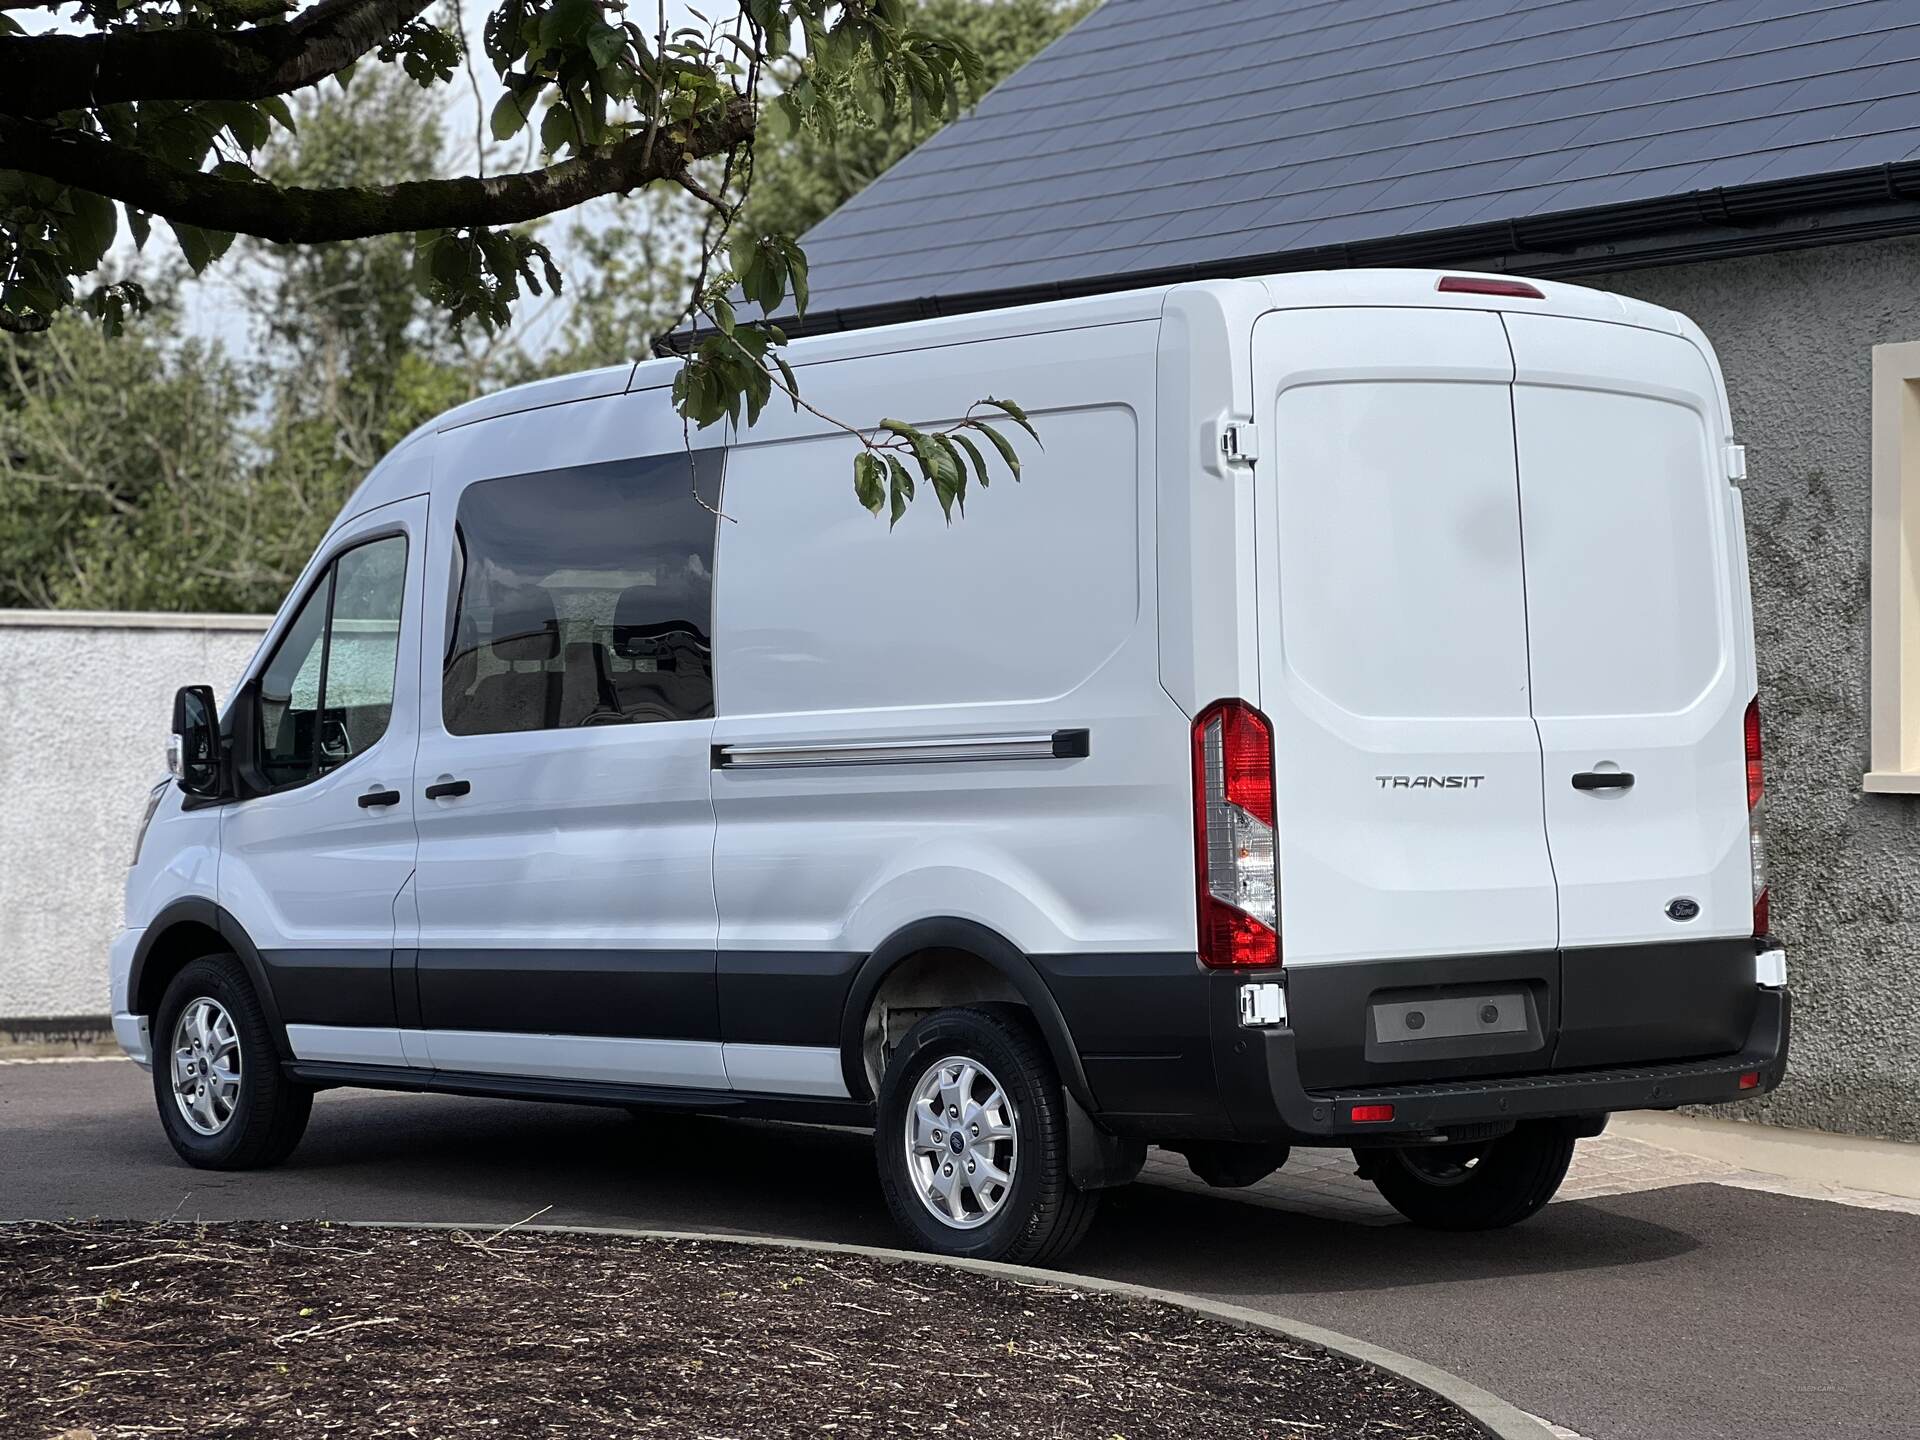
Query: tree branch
point(301, 216)
point(44, 74)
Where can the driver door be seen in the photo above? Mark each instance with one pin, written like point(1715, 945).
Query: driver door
point(312, 865)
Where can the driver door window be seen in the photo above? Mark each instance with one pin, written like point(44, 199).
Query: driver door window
point(327, 693)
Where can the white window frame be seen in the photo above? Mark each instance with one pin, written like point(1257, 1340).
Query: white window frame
point(1895, 741)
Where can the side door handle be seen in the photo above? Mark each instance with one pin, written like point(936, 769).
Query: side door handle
point(447, 789)
point(1603, 780)
point(374, 798)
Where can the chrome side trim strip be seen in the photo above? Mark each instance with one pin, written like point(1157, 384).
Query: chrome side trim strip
point(695, 1063)
point(796, 1070)
point(812, 1070)
point(1051, 745)
point(347, 1044)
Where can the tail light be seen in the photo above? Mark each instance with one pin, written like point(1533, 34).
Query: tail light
point(1233, 837)
point(1756, 818)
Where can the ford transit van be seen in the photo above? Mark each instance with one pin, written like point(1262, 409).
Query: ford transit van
point(1344, 734)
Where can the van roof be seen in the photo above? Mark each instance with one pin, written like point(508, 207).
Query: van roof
point(1301, 289)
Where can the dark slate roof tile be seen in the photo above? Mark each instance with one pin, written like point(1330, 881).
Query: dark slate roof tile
point(1161, 133)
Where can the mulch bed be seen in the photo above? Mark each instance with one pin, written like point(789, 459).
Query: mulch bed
point(316, 1330)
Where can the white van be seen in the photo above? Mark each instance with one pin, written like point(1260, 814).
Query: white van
point(1344, 736)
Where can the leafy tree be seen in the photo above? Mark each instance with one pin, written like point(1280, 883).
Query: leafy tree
point(163, 112)
point(106, 444)
point(807, 174)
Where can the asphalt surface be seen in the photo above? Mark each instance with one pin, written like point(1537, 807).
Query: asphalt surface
point(1693, 1313)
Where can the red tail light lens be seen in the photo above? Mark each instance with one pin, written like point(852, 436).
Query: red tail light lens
point(1233, 823)
point(1370, 1114)
point(1756, 819)
point(1487, 285)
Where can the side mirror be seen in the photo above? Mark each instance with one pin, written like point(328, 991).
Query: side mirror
point(193, 754)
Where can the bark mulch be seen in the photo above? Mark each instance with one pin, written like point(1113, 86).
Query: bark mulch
point(316, 1330)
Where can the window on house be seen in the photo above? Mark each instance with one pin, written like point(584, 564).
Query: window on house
point(1896, 569)
point(583, 597)
point(327, 692)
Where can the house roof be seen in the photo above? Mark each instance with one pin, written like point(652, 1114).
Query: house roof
point(1165, 139)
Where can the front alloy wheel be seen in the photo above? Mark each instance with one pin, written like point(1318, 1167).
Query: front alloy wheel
point(224, 1100)
point(206, 1065)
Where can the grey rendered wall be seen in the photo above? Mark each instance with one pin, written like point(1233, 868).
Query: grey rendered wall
point(1795, 333)
point(85, 704)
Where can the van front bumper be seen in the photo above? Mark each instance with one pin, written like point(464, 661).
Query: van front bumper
point(1296, 1113)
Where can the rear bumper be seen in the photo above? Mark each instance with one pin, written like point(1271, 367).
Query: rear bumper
point(1167, 1056)
point(1420, 1109)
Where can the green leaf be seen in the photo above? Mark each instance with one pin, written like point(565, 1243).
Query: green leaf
point(953, 469)
point(973, 452)
point(900, 489)
point(556, 127)
point(796, 275)
point(201, 247)
point(867, 482)
point(723, 314)
point(247, 125)
point(1003, 445)
point(139, 225)
point(509, 116)
point(87, 233)
point(1018, 416)
point(793, 385)
point(276, 109)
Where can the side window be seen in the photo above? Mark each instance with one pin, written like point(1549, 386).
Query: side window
point(583, 597)
point(327, 692)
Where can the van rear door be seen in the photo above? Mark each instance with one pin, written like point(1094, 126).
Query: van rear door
point(1393, 661)
point(1637, 631)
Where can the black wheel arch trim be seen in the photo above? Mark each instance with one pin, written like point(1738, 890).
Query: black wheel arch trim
point(971, 938)
point(208, 914)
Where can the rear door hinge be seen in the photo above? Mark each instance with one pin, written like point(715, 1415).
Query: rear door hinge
point(1240, 441)
point(1736, 462)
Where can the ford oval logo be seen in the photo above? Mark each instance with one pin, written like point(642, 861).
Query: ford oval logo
point(1682, 909)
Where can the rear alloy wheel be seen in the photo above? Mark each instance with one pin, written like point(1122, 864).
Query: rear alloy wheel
point(971, 1140)
point(1481, 1185)
point(223, 1100)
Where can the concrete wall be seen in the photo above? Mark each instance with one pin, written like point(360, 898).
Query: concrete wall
point(86, 701)
point(1795, 333)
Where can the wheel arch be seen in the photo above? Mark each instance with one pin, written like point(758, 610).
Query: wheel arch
point(184, 931)
point(981, 945)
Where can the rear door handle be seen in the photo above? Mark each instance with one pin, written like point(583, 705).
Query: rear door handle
point(1603, 780)
point(447, 789)
point(378, 797)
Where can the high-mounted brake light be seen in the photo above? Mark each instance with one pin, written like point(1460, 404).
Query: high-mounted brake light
point(1756, 818)
point(1487, 285)
point(1233, 824)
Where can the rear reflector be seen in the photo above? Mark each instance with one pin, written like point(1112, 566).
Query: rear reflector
point(1488, 285)
point(1233, 824)
point(1750, 1080)
point(1370, 1114)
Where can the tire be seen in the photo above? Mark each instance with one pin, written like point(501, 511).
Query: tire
point(1485, 1185)
point(1038, 1215)
point(257, 1119)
